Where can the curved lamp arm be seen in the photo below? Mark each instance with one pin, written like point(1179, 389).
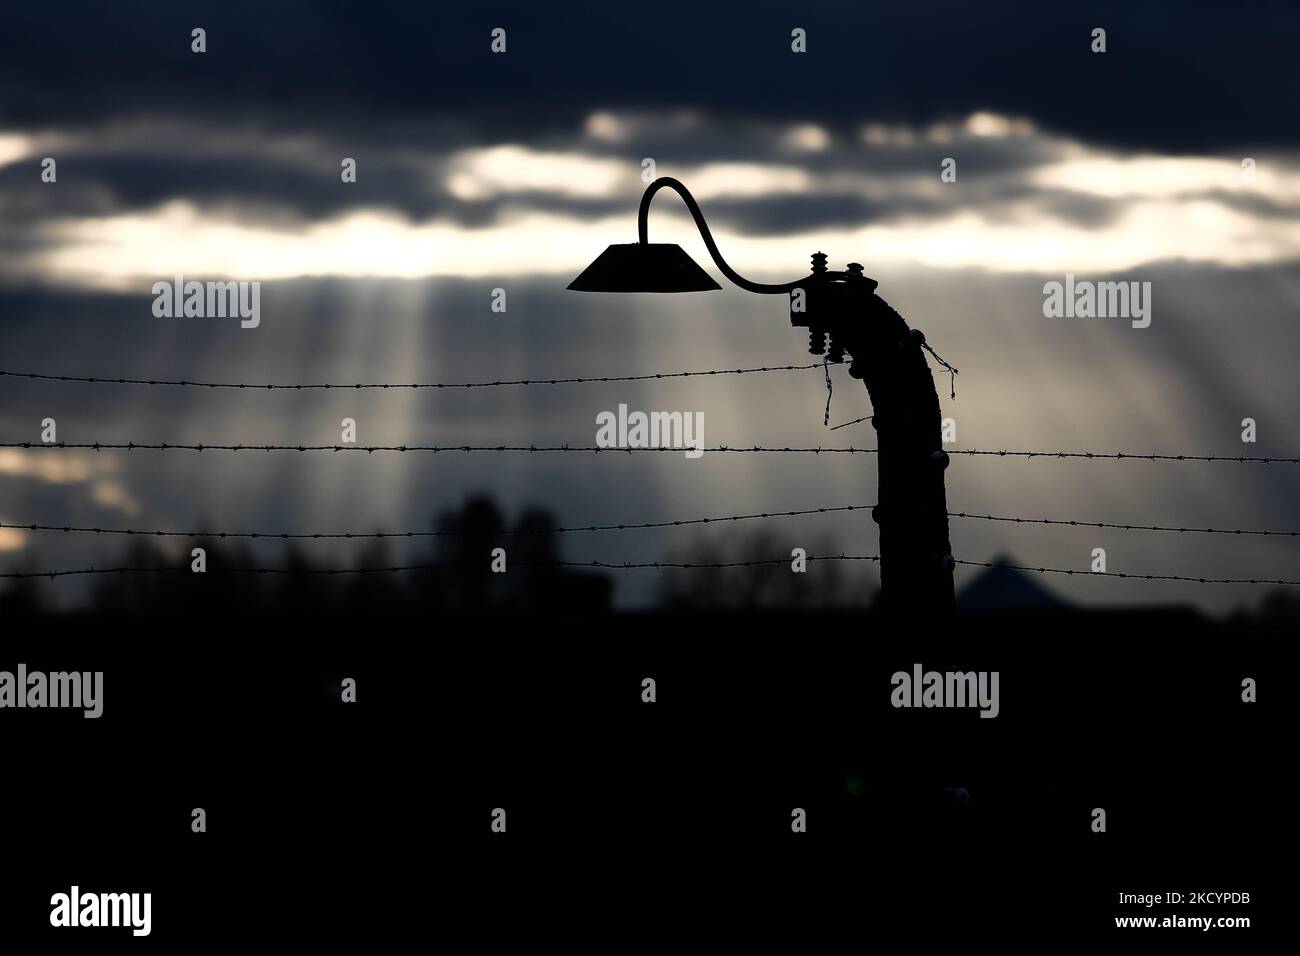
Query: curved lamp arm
point(643, 229)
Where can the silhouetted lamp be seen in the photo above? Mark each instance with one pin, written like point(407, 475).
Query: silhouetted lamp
point(843, 316)
point(662, 266)
point(644, 267)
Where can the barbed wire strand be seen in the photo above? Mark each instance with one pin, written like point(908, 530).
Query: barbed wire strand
point(1123, 455)
point(826, 367)
point(185, 383)
point(681, 522)
point(813, 450)
point(630, 566)
point(1125, 574)
point(596, 449)
point(606, 565)
point(952, 372)
point(436, 533)
point(1123, 527)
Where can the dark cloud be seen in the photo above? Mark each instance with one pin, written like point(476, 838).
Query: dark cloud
point(289, 181)
point(1079, 209)
point(793, 214)
point(1253, 203)
point(1195, 78)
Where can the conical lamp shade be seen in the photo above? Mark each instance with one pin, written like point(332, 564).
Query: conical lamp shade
point(644, 267)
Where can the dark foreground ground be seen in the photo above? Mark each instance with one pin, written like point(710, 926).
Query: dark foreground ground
point(630, 822)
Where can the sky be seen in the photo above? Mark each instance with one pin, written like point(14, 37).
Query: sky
point(1169, 159)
